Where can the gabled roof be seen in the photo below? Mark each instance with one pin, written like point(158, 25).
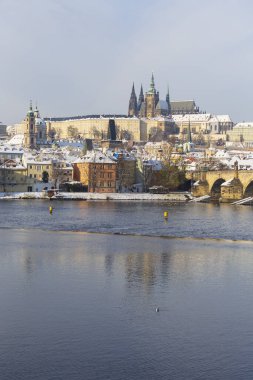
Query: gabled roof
point(185, 105)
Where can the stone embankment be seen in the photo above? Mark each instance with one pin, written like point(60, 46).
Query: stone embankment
point(173, 197)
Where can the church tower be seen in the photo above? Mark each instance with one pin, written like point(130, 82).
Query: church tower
point(151, 99)
point(132, 109)
point(30, 133)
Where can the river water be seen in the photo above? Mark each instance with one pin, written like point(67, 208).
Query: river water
point(79, 291)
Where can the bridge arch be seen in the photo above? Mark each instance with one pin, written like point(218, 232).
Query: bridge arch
point(248, 192)
point(215, 191)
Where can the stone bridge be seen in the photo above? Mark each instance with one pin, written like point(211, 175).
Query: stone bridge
point(225, 185)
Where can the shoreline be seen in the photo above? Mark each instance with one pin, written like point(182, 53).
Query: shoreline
point(173, 196)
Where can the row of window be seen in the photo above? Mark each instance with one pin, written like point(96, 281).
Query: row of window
point(38, 167)
point(104, 166)
point(104, 184)
point(103, 175)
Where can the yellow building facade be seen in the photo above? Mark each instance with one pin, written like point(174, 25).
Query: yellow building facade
point(97, 128)
point(130, 128)
point(14, 179)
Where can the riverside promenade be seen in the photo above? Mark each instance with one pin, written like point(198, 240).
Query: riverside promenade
point(173, 196)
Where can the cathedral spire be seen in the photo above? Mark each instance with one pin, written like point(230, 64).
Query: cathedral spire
point(132, 109)
point(133, 90)
point(168, 101)
point(141, 99)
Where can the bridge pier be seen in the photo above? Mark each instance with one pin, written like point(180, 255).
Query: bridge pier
point(231, 190)
point(200, 188)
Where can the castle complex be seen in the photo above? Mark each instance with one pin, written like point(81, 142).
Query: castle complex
point(149, 119)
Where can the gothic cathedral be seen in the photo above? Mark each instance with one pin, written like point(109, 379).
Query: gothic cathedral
point(151, 105)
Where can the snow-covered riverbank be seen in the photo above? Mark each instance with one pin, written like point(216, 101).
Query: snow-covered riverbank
point(175, 197)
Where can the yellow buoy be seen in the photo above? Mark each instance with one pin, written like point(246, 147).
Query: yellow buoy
point(51, 210)
point(166, 214)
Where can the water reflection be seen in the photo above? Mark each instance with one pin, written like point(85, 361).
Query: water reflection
point(109, 261)
point(141, 261)
point(76, 303)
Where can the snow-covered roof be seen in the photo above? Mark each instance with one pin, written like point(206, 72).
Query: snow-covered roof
point(201, 117)
point(16, 140)
point(71, 143)
point(213, 119)
point(222, 154)
point(96, 157)
point(13, 166)
point(6, 149)
point(246, 125)
point(224, 118)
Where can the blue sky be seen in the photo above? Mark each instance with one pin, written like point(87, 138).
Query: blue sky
point(80, 57)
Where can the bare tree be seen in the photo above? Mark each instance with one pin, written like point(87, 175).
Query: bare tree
point(172, 174)
point(58, 176)
point(96, 133)
point(125, 135)
point(58, 133)
point(155, 134)
point(72, 132)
